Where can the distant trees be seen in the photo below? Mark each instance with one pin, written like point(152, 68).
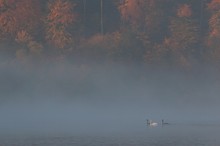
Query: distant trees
point(183, 37)
point(214, 33)
point(19, 15)
point(20, 22)
point(147, 22)
point(144, 31)
point(178, 46)
point(59, 22)
point(29, 48)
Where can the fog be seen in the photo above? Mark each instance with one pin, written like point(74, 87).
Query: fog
point(89, 99)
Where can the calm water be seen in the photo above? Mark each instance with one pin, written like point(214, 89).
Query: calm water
point(172, 135)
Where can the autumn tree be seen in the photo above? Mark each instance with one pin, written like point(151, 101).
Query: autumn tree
point(20, 23)
point(145, 20)
point(29, 49)
point(59, 21)
point(145, 15)
point(19, 15)
point(213, 42)
point(183, 36)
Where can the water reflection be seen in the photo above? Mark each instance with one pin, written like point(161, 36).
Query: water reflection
point(172, 135)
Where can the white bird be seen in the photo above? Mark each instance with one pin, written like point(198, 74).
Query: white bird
point(151, 123)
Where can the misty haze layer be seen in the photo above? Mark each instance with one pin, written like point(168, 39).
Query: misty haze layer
point(79, 99)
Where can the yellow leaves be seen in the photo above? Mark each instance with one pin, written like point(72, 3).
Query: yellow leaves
point(184, 11)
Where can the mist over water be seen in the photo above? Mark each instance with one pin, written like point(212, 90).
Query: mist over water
point(104, 99)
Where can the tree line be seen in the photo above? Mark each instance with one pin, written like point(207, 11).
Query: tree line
point(150, 32)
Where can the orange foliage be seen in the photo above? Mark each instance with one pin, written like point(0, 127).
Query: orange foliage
point(61, 12)
point(184, 11)
point(19, 15)
point(60, 18)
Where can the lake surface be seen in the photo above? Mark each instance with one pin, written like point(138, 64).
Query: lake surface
point(170, 135)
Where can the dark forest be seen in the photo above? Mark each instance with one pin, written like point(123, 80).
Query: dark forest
point(182, 33)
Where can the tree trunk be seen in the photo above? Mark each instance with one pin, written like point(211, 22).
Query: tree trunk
point(101, 23)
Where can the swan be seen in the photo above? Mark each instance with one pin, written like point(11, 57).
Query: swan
point(151, 123)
